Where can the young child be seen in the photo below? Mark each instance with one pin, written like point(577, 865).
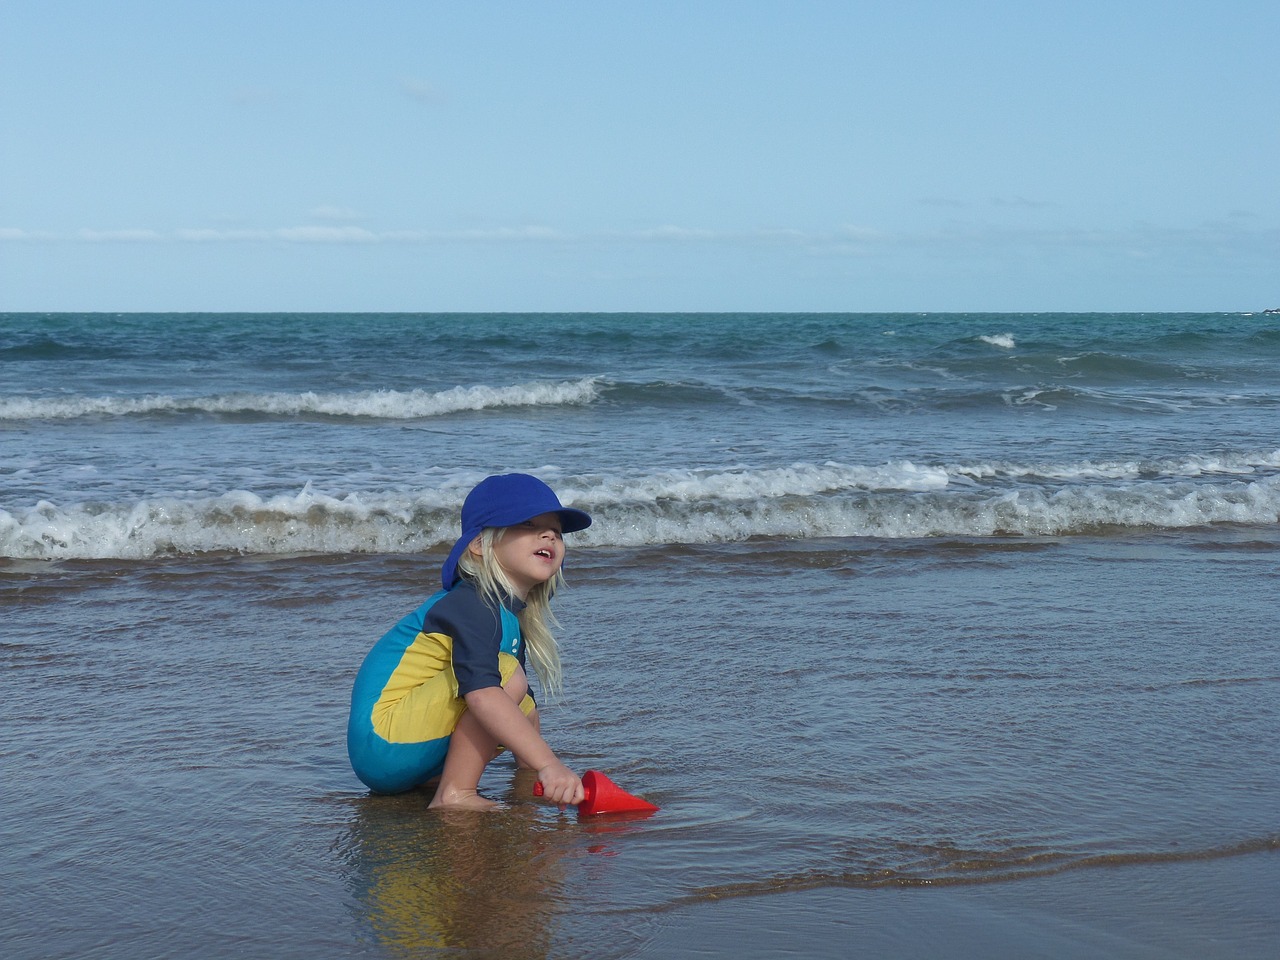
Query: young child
point(445, 689)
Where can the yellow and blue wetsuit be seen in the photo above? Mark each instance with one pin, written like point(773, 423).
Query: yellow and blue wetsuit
point(408, 695)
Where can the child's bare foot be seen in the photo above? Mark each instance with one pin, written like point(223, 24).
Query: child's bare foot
point(462, 800)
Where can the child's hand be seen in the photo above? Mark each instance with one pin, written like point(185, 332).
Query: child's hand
point(560, 784)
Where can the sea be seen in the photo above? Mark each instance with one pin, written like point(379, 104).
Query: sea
point(931, 635)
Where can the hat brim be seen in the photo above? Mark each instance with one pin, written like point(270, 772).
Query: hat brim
point(572, 520)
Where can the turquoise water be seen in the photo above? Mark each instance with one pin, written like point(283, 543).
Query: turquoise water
point(937, 633)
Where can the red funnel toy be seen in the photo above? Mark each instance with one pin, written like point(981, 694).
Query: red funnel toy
point(602, 795)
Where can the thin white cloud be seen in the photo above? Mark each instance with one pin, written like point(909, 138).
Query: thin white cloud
point(531, 234)
point(1229, 238)
point(120, 236)
point(782, 233)
point(853, 232)
point(671, 232)
point(327, 235)
point(512, 233)
point(208, 236)
point(1022, 203)
point(420, 91)
point(323, 233)
point(1199, 243)
point(352, 234)
point(221, 236)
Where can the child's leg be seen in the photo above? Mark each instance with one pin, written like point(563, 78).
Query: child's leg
point(470, 750)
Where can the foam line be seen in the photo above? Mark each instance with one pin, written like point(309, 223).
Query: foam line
point(383, 404)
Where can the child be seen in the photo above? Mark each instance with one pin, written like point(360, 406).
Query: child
point(446, 686)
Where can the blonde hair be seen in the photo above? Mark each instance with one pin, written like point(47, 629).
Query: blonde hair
point(536, 619)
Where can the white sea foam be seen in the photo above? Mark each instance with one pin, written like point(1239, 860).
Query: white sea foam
point(804, 501)
point(1021, 512)
point(798, 480)
point(1002, 340)
point(238, 521)
point(1241, 464)
point(385, 404)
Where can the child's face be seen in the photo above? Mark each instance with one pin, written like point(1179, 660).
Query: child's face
point(531, 553)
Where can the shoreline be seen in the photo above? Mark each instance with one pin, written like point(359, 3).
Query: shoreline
point(1153, 910)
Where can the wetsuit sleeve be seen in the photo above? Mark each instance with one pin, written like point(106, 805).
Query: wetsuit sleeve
point(476, 631)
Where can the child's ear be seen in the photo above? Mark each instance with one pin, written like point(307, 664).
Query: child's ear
point(474, 549)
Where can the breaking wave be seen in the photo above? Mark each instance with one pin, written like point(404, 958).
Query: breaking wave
point(804, 501)
point(382, 404)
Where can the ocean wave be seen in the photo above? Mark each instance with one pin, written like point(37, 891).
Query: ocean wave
point(1003, 340)
point(1129, 400)
point(236, 522)
point(838, 393)
point(380, 404)
point(974, 512)
point(45, 347)
point(805, 501)
point(1189, 467)
point(739, 485)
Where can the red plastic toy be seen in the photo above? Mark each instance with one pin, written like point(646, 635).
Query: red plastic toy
point(605, 796)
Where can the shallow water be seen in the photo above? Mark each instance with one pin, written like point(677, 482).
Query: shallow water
point(811, 717)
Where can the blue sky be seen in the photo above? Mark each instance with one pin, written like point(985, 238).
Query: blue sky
point(737, 156)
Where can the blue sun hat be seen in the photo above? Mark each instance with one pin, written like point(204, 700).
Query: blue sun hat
point(504, 501)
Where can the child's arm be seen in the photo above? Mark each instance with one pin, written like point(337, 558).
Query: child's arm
point(498, 714)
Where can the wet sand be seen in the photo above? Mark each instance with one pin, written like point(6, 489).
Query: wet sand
point(1223, 910)
point(1023, 749)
